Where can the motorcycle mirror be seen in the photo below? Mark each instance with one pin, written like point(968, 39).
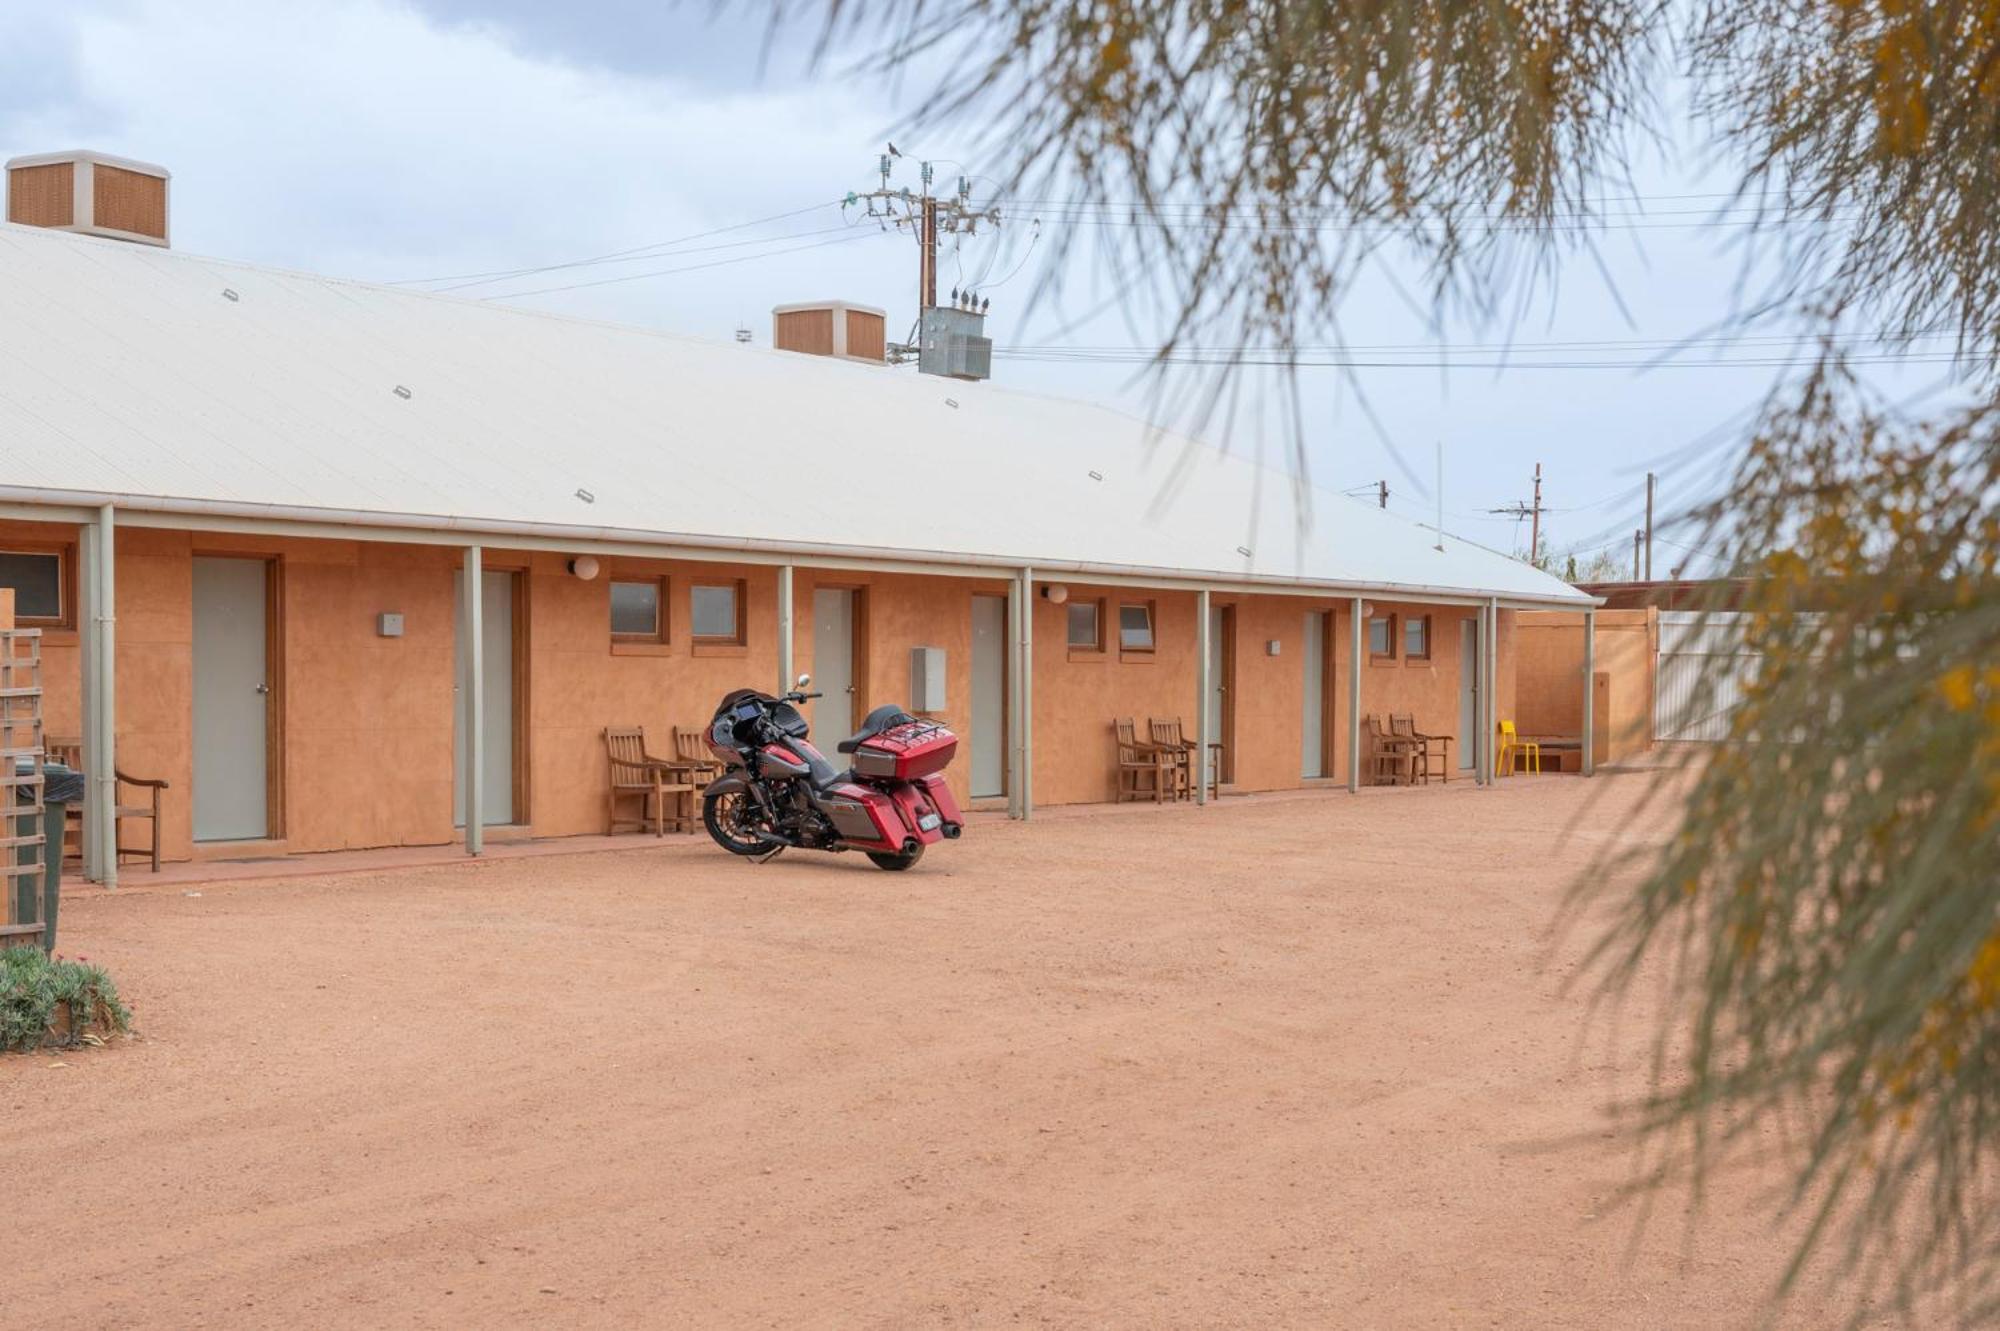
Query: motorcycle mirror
point(803, 681)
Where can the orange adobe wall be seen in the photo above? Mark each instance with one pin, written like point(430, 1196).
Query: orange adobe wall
point(365, 721)
point(893, 613)
point(579, 681)
point(1078, 694)
point(1551, 664)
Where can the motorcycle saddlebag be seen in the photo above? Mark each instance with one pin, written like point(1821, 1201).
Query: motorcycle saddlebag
point(863, 817)
point(906, 752)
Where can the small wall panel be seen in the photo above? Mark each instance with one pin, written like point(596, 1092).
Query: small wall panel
point(42, 195)
point(128, 201)
point(810, 331)
point(865, 336)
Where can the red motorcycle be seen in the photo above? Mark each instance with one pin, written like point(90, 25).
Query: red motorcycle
point(777, 791)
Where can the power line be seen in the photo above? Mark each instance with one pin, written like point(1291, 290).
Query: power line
point(856, 234)
point(1588, 206)
point(1306, 362)
point(1502, 227)
point(639, 251)
point(1753, 340)
point(655, 254)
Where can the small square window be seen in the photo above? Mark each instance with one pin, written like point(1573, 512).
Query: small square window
point(716, 612)
point(36, 577)
point(1417, 638)
point(637, 610)
point(1083, 633)
point(1382, 637)
point(1135, 628)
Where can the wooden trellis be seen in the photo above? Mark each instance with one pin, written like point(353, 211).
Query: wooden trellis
point(23, 838)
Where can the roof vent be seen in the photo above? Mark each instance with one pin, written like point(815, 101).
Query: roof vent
point(831, 328)
point(89, 193)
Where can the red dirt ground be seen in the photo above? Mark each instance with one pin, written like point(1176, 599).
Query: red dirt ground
point(1290, 1060)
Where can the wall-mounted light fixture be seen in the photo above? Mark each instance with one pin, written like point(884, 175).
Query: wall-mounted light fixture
point(1054, 593)
point(583, 568)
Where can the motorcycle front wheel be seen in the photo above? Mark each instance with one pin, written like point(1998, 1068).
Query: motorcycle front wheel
point(895, 863)
point(732, 822)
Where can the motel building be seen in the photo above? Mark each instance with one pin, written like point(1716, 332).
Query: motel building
point(356, 566)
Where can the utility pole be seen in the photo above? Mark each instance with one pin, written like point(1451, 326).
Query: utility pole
point(925, 216)
point(1535, 528)
point(1381, 494)
point(1635, 554)
point(1649, 526)
point(928, 236)
point(1533, 512)
point(1440, 496)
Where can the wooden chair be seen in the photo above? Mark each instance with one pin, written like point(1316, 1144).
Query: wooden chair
point(1166, 737)
point(1429, 748)
point(637, 774)
point(69, 752)
point(1143, 769)
point(1170, 732)
point(693, 760)
point(1514, 749)
point(1392, 757)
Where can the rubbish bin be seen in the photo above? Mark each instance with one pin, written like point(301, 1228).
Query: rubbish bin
point(61, 786)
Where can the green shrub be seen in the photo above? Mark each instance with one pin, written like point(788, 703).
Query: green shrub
point(34, 987)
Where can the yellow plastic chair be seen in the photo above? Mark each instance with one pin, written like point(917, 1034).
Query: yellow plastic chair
point(1514, 748)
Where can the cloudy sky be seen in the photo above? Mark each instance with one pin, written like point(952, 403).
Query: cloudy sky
point(417, 140)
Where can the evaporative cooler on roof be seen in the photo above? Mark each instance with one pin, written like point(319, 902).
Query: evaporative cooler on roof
point(91, 193)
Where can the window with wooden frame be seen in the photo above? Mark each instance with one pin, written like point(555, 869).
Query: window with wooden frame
point(1086, 626)
point(715, 613)
point(42, 578)
point(1382, 638)
point(1135, 628)
point(639, 609)
point(1417, 638)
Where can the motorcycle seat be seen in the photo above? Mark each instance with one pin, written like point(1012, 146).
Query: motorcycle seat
point(877, 721)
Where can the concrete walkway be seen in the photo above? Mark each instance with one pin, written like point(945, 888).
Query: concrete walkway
point(501, 846)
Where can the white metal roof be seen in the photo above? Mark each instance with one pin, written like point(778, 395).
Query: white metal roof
point(156, 378)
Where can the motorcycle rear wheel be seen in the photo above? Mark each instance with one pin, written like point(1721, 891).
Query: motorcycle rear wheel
point(730, 820)
point(897, 862)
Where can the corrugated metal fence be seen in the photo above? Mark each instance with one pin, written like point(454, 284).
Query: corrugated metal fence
point(1700, 676)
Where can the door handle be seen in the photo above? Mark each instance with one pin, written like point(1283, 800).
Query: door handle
point(850, 688)
point(263, 688)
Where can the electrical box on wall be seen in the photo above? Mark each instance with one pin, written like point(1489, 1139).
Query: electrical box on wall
point(389, 625)
point(927, 679)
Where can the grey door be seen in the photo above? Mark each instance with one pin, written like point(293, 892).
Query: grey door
point(496, 756)
point(989, 696)
point(232, 692)
point(1468, 694)
point(1221, 645)
point(833, 664)
point(1312, 723)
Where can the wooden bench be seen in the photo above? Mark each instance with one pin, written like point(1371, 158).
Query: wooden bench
point(1560, 753)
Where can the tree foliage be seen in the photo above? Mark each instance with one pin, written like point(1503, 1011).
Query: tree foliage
point(1830, 902)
